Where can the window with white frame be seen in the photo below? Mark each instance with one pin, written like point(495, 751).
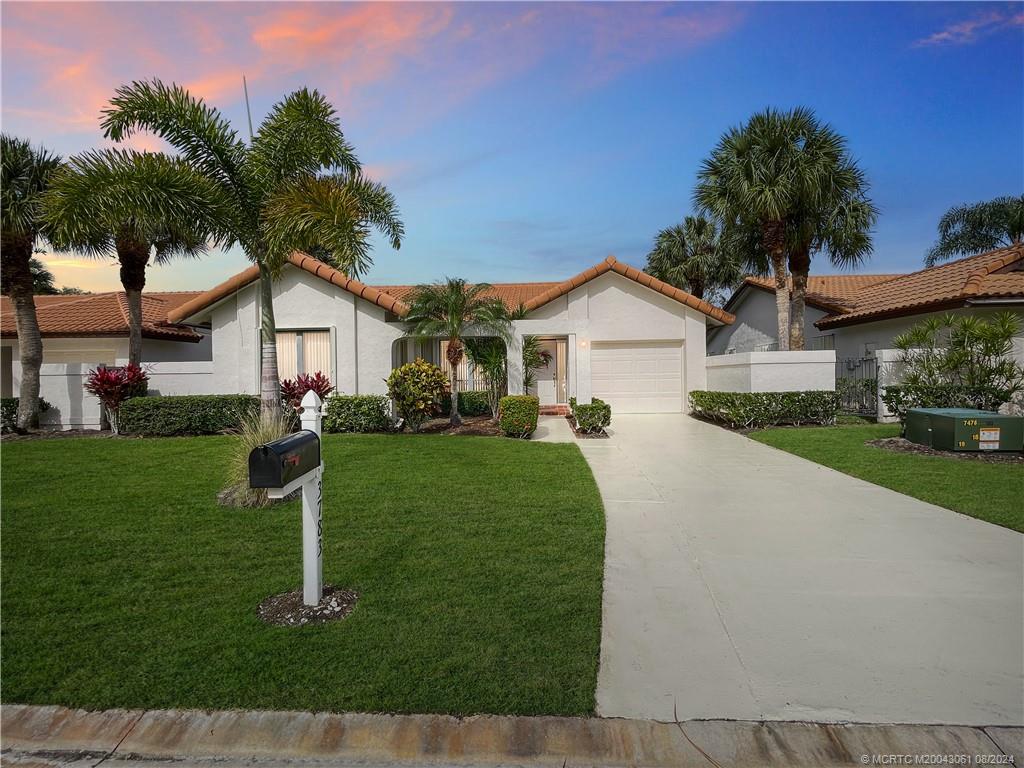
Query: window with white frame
point(304, 351)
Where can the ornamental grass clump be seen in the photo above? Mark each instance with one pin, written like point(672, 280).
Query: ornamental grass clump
point(255, 429)
point(115, 385)
point(417, 389)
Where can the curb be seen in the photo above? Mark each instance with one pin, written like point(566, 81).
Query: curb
point(50, 735)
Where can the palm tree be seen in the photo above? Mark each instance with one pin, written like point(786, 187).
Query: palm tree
point(131, 205)
point(837, 219)
point(693, 256)
point(24, 175)
point(453, 310)
point(969, 229)
point(760, 175)
point(296, 186)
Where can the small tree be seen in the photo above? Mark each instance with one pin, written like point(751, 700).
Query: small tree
point(455, 310)
point(115, 385)
point(959, 361)
point(490, 358)
point(416, 388)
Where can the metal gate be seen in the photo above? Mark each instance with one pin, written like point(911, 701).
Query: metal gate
point(857, 384)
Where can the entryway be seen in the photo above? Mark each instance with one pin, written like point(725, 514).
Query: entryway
point(550, 382)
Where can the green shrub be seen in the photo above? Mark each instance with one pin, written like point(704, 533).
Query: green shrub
point(518, 414)
point(357, 413)
point(754, 410)
point(185, 414)
point(417, 389)
point(900, 398)
point(473, 402)
point(9, 412)
point(593, 417)
point(961, 361)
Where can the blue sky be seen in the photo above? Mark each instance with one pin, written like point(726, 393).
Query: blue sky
point(528, 141)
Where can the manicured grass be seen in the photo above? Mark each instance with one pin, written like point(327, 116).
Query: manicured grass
point(478, 560)
point(991, 492)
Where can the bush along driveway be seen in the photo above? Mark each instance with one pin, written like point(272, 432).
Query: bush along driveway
point(478, 564)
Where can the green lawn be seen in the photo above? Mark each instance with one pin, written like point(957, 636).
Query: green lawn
point(478, 560)
point(991, 492)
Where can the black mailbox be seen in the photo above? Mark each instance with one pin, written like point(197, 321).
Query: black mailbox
point(278, 463)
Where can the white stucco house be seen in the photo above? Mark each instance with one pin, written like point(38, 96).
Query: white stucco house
point(612, 331)
point(855, 315)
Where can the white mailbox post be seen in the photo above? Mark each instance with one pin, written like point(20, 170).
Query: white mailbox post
point(312, 509)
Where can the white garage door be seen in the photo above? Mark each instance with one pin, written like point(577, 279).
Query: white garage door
point(638, 377)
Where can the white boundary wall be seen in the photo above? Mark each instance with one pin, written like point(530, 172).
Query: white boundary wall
point(71, 407)
point(772, 371)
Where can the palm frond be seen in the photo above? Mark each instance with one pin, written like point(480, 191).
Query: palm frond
point(147, 197)
point(199, 132)
point(969, 229)
point(25, 173)
point(300, 137)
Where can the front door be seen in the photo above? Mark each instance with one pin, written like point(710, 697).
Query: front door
point(550, 380)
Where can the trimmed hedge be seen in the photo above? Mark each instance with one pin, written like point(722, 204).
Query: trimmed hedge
point(9, 412)
point(518, 414)
point(593, 417)
point(185, 414)
point(753, 410)
point(900, 398)
point(357, 413)
point(473, 402)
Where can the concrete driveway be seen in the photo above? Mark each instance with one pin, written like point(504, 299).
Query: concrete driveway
point(744, 582)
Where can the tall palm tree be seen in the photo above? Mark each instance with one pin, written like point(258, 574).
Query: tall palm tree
point(760, 175)
point(296, 186)
point(837, 219)
point(693, 256)
point(453, 310)
point(25, 173)
point(131, 206)
point(969, 229)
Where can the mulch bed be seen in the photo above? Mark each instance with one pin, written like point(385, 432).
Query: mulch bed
point(902, 445)
point(471, 425)
point(288, 610)
point(602, 435)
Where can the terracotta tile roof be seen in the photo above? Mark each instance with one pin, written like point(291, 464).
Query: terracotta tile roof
point(393, 297)
point(302, 261)
point(830, 292)
point(996, 274)
point(102, 314)
point(512, 294)
point(611, 264)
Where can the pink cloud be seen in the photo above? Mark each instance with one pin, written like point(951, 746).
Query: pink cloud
point(971, 30)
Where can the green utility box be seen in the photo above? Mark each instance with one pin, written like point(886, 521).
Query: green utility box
point(965, 429)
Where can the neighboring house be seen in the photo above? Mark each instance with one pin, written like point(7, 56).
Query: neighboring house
point(613, 332)
point(81, 332)
point(858, 314)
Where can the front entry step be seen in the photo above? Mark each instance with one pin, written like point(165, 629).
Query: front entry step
point(554, 410)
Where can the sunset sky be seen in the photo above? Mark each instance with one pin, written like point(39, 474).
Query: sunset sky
point(528, 141)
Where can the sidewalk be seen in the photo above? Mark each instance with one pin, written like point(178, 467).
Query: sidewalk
point(55, 736)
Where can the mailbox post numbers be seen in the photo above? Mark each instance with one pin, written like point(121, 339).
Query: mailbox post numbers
point(312, 513)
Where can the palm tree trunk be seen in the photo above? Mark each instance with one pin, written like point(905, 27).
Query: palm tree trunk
point(270, 381)
point(799, 267)
point(17, 280)
point(133, 257)
point(454, 354)
point(773, 235)
point(781, 298)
